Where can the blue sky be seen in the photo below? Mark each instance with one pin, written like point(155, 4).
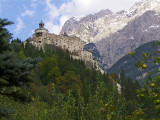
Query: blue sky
point(26, 14)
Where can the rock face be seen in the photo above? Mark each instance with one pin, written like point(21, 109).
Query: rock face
point(116, 34)
point(143, 29)
point(96, 27)
point(91, 47)
point(84, 27)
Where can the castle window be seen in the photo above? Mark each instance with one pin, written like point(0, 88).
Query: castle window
point(39, 41)
point(38, 34)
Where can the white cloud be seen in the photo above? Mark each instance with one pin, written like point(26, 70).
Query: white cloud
point(72, 8)
point(52, 28)
point(84, 7)
point(31, 33)
point(52, 10)
point(34, 5)
point(27, 12)
point(20, 25)
point(63, 19)
point(53, 14)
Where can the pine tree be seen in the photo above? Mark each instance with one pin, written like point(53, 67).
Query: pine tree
point(5, 36)
point(15, 74)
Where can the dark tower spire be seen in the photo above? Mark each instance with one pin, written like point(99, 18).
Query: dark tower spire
point(41, 24)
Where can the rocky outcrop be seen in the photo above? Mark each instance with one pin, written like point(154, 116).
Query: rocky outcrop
point(143, 29)
point(91, 47)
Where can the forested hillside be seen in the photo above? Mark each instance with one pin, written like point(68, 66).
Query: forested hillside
point(48, 84)
point(127, 63)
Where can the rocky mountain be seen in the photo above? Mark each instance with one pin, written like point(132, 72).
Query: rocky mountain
point(83, 27)
point(91, 47)
point(98, 26)
point(143, 29)
point(127, 63)
point(116, 34)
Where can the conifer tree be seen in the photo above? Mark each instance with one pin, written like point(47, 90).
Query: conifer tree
point(123, 81)
point(15, 74)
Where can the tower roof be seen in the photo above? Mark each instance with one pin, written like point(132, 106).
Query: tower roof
point(41, 28)
point(41, 24)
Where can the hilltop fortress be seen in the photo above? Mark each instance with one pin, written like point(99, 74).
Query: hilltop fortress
point(73, 44)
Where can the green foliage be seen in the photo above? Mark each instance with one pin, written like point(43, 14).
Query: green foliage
point(48, 70)
point(131, 53)
point(5, 36)
point(16, 45)
point(137, 115)
point(15, 72)
point(111, 104)
point(151, 89)
point(69, 81)
point(61, 88)
point(6, 112)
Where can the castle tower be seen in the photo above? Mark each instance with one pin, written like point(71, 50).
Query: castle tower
point(41, 24)
point(39, 32)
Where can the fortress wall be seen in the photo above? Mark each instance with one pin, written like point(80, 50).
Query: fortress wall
point(73, 44)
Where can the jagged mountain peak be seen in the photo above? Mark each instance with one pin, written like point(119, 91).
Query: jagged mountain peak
point(94, 16)
point(95, 27)
point(83, 27)
point(77, 18)
point(117, 33)
point(143, 6)
point(98, 26)
point(104, 12)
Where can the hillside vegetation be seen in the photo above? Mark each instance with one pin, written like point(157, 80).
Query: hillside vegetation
point(47, 84)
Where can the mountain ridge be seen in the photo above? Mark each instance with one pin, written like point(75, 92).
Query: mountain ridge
point(142, 30)
point(127, 63)
point(95, 27)
point(116, 34)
